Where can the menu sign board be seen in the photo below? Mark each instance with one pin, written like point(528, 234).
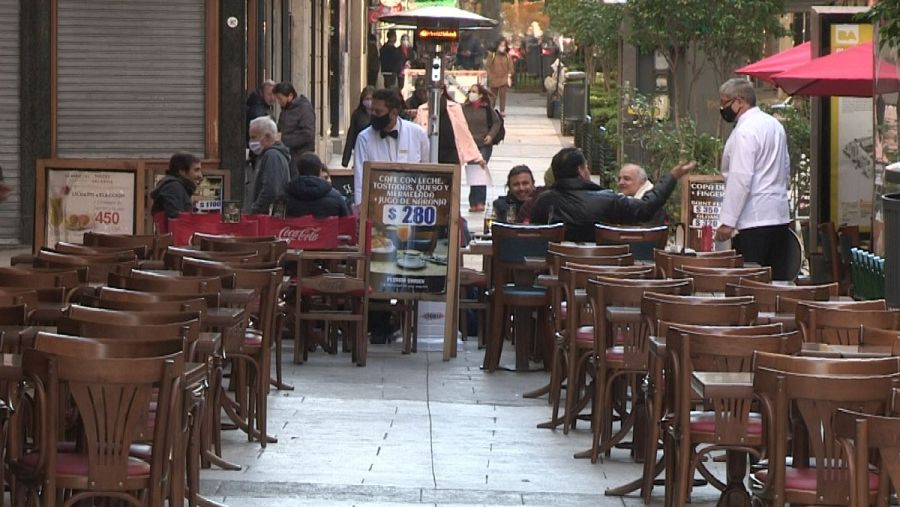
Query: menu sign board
point(81, 200)
point(701, 203)
point(410, 219)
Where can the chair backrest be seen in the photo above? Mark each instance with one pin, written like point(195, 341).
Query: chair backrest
point(641, 240)
point(173, 256)
point(271, 250)
point(690, 350)
point(815, 398)
point(786, 304)
point(715, 279)
point(512, 243)
point(111, 399)
point(40, 278)
point(827, 366)
point(580, 250)
point(767, 295)
point(81, 346)
point(98, 266)
point(605, 292)
point(840, 326)
point(19, 296)
point(615, 271)
point(666, 262)
point(136, 301)
point(556, 260)
point(79, 249)
point(879, 337)
point(862, 433)
point(154, 244)
point(659, 310)
point(146, 281)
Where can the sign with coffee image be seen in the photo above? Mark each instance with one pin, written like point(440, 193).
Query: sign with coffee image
point(409, 210)
point(83, 200)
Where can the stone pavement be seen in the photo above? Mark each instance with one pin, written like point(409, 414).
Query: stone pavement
point(414, 430)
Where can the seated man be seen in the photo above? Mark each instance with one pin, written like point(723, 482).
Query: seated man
point(520, 183)
point(310, 194)
point(578, 203)
point(633, 182)
point(172, 194)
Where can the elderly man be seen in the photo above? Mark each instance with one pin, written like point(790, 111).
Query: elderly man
point(272, 165)
point(578, 203)
point(633, 182)
point(756, 167)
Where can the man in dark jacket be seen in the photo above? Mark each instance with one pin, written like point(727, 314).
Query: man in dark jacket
point(260, 102)
point(172, 194)
point(578, 203)
point(297, 122)
point(391, 60)
point(272, 165)
point(310, 194)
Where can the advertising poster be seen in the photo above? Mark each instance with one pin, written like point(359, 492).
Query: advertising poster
point(701, 204)
point(409, 212)
point(852, 143)
point(85, 200)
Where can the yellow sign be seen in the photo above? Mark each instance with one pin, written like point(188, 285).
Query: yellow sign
point(448, 34)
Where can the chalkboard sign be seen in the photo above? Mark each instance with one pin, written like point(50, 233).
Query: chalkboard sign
point(410, 221)
point(701, 203)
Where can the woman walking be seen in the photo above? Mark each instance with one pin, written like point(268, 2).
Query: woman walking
point(359, 120)
point(499, 66)
point(484, 124)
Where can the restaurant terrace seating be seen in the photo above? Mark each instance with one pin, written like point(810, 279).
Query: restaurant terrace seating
point(869, 438)
point(666, 262)
point(715, 280)
point(642, 241)
point(767, 295)
point(841, 325)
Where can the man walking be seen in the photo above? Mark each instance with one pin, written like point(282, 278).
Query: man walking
point(756, 167)
point(391, 60)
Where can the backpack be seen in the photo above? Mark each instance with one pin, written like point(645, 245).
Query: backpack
point(501, 134)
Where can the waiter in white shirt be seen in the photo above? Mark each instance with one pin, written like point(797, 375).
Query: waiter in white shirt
point(388, 138)
point(756, 167)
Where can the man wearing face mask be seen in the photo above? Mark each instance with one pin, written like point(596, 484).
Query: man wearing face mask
point(756, 167)
point(388, 138)
point(272, 165)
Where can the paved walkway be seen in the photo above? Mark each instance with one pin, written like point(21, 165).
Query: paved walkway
point(414, 430)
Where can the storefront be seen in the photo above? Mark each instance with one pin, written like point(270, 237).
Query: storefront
point(9, 118)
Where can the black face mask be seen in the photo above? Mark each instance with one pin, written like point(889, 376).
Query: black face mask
point(379, 123)
point(728, 114)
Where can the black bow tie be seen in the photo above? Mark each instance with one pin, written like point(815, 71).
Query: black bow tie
point(394, 133)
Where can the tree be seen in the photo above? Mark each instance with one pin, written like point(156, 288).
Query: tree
point(595, 26)
point(887, 14)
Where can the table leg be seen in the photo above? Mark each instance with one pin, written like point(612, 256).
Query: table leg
point(735, 494)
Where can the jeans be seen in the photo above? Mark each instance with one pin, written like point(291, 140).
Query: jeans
point(478, 193)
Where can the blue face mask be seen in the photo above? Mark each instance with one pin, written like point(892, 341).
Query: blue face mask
point(256, 147)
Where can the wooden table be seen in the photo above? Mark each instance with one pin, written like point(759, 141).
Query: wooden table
point(845, 351)
point(711, 385)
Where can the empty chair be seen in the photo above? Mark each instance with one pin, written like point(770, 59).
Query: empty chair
point(154, 244)
point(641, 240)
point(840, 326)
point(767, 295)
point(715, 280)
point(667, 262)
point(867, 439)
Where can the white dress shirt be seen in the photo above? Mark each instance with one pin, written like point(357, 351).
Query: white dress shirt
point(756, 167)
point(411, 145)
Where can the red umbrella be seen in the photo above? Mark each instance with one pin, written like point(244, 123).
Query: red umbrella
point(849, 73)
point(788, 59)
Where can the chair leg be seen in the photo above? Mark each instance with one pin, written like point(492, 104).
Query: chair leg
point(556, 378)
point(494, 340)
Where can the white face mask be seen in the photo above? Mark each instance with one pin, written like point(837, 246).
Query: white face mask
point(474, 97)
point(256, 147)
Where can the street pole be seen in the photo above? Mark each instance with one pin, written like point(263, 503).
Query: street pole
point(435, 84)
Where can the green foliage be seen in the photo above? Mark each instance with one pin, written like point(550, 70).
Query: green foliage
point(735, 32)
point(794, 116)
point(594, 25)
point(661, 144)
point(604, 104)
point(887, 14)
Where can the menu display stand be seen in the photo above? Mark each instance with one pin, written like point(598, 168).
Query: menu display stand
point(701, 203)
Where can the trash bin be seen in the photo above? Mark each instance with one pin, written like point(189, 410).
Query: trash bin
point(891, 205)
point(574, 101)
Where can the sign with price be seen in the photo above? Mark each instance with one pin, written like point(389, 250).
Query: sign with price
point(80, 201)
point(701, 203)
point(410, 219)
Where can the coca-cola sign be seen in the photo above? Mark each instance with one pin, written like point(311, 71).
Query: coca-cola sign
point(301, 235)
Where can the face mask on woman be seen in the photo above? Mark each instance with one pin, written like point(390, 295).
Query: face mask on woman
point(474, 97)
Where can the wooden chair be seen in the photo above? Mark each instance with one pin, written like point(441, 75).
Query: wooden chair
point(270, 248)
point(103, 467)
point(714, 280)
point(667, 262)
point(153, 282)
point(79, 249)
point(729, 424)
point(477, 282)
point(658, 311)
point(98, 266)
point(587, 250)
point(813, 390)
point(880, 337)
point(767, 295)
point(154, 244)
point(868, 438)
point(173, 257)
point(514, 283)
point(840, 326)
point(619, 346)
point(256, 349)
point(641, 240)
point(331, 298)
point(136, 301)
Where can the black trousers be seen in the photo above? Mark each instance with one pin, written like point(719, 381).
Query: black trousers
point(766, 246)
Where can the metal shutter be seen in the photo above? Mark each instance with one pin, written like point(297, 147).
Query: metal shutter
point(9, 117)
point(130, 78)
